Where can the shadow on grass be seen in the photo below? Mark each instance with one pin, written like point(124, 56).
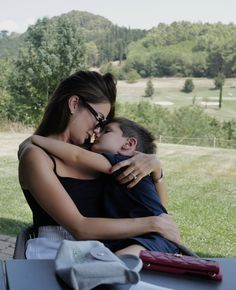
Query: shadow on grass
point(207, 255)
point(11, 227)
point(213, 89)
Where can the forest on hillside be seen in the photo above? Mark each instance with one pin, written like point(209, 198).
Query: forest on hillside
point(179, 49)
point(33, 63)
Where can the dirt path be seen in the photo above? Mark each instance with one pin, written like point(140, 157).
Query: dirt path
point(9, 143)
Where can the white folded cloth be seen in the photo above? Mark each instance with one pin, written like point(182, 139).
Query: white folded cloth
point(84, 265)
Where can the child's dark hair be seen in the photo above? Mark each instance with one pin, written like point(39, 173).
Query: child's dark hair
point(145, 139)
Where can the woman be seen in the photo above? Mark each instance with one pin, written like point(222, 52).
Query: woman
point(59, 194)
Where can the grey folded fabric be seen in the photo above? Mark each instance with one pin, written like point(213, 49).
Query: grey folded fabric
point(84, 265)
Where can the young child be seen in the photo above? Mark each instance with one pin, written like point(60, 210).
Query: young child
point(118, 141)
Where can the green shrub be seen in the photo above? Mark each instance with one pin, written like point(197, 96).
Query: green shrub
point(189, 124)
point(149, 91)
point(188, 86)
point(219, 81)
point(118, 71)
point(132, 76)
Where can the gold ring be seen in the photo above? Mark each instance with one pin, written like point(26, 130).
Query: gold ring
point(134, 176)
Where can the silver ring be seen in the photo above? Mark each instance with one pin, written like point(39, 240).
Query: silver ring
point(134, 176)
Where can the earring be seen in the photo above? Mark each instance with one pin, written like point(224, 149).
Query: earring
point(71, 113)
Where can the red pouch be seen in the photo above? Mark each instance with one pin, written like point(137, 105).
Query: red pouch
point(175, 263)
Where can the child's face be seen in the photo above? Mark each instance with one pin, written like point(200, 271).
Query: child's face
point(110, 139)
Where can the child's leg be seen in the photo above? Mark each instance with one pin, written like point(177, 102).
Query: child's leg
point(133, 250)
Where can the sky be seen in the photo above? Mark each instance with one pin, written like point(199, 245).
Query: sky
point(17, 15)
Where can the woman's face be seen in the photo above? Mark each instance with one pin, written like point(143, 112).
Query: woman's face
point(83, 121)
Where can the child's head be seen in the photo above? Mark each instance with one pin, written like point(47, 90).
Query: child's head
point(124, 136)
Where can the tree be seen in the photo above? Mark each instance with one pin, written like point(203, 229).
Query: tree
point(194, 99)
point(132, 76)
point(149, 91)
point(53, 51)
point(219, 83)
point(4, 34)
point(5, 72)
point(188, 86)
point(228, 126)
point(216, 61)
point(92, 54)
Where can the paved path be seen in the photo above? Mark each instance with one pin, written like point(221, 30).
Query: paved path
point(7, 245)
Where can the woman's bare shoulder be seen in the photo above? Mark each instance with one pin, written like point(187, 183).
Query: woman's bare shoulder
point(33, 153)
point(32, 161)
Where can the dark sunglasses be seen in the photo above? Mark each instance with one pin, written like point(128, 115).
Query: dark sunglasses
point(102, 121)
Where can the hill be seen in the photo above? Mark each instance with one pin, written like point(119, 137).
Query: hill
point(10, 45)
point(185, 49)
point(109, 41)
point(178, 49)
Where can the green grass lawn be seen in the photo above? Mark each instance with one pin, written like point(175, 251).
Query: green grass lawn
point(14, 212)
point(202, 197)
point(169, 89)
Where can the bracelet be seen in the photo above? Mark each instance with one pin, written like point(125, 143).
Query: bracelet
point(158, 180)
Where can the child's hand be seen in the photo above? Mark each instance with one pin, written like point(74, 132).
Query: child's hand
point(34, 139)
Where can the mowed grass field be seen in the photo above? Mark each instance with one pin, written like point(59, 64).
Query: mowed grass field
point(169, 90)
point(201, 185)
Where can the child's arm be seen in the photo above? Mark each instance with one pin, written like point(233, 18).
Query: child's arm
point(160, 185)
point(73, 155)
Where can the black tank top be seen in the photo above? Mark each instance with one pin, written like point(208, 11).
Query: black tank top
point(86, 194)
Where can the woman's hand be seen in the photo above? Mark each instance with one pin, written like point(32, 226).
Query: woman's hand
point(139, 165)
point(166, 226)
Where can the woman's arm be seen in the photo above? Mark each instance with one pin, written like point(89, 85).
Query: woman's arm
point(158, 179)
point(36, 174)
point(142, 164)
point(162, 191)
point(73, 155)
